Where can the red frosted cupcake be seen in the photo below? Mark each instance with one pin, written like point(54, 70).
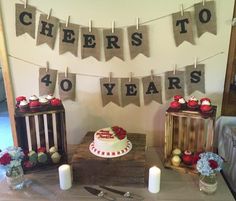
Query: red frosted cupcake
point(175, 106)
point(23, 105)
point(19, 99)
point(181, 100)
point(192, 103)
point(55, 102)
point(34, 105)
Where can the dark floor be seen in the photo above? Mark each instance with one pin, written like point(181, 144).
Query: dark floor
point(5, 130)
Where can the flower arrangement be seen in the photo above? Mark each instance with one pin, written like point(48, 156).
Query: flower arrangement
point(120, 132)
point(11, 158)
point(209, 163)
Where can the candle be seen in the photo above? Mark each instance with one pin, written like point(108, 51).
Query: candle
point(154, 179)
point(65, 177)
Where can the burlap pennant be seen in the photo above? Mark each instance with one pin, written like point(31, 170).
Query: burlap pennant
point(152, 89)
point(109, 91)
point(47, 81)
point(90, 43)
point(138, 41)
point(25, 20)
point(205, 17)
point(182, 28)
point(113, 43)
point(130, 91)
point(195, 78)
point(174, 83)
point(67, 86)
point(47, 30)
point(68, 41)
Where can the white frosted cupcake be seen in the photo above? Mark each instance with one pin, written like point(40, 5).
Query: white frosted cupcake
point(43, 101)
point(33, 98)
point(24, 105)
point(50, 97)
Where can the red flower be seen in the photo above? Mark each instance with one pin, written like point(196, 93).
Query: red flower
point(120, 132)
point(42, 149)
point(5, 159)
point(213, 164)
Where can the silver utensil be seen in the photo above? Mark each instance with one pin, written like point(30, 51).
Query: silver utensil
point(126, 194)
point(99, 193)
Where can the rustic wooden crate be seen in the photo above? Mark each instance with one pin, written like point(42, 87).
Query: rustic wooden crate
point(44, 127)
point(188, 130)
point(125, 170)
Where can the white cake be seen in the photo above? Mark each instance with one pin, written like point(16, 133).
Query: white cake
point(110, 142)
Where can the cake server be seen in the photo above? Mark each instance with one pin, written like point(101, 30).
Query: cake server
point(126, 194)
point(99, 193)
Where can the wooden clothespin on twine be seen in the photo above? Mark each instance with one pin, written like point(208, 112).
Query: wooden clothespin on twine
point(130, 77)
point(174, 69)
point(182, 9)
point(152, 76)
point(137, 23)
point(203, 2)
point(110, 74)
point(25, 4)
point(67, 21)
point(90, 26)
point(49, 14)
point(66, 72)
point(195, 62)
point(47, 66)
point(113, 26)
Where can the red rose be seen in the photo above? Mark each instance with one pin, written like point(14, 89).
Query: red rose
point(213, 164)
point(5, 159)
point(120, 132)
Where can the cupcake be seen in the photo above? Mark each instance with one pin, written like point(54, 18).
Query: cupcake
point(19, 99)
point(34, 104)
point(175, 106)
point(55, 102)
point(33, 157)
point(176, 152)
point(24, 105)
point(206, 107)
point(56, 157)
point(187, 157)
point(42, 157)
point(33, 98)
point(50, 97)
point(43, 101)
point(192, 103)
point(176, 160)
point(52, 150)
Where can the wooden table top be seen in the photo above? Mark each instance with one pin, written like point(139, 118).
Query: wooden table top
point(175, 186)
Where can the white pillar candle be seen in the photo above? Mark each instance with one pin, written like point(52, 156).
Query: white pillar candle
point(65, 177)
point(154, 179)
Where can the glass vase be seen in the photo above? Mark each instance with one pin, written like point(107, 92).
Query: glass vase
point(208, 184)
point(15, 177)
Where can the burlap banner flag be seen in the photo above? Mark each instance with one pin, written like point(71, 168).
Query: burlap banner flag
point(174, 83)
point(47, 30)
point(25, 20)
point(68, 41)
point(205, 16)
point(182, 27)
point(67, 86)
point(152, 89)
point(109, 90)
point(113, 43)
point(90, 43)
point(195, 78)
point(138, 41)
point(130, 91)
point(47, 81)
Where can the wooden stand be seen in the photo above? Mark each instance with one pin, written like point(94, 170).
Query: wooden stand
point(125, 170)
point(188, 130)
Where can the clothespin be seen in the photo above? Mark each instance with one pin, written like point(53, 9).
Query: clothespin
point(66, 72)
point(130, 76)
point(47, 66)
point(25, 4)
point(110, 74)
point(152, 75)
point(182, 10)
point(113, 26)
point(67, 21)
point(174, 69)
point(90, 26)
point(49, 14)
point(203, 2)
point(195, 62)
point(137, 23)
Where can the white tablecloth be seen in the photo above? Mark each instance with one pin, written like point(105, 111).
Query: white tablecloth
point(225, 131)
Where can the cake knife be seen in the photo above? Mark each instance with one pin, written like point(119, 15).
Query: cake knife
point(126, 194)
point(99, 193)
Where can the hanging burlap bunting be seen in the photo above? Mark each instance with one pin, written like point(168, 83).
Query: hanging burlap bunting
point(130, 91)
point(182, 27)
point(174, 83)
point(90, 43)
point(205, 16)
point(47, 81)
point(25, 20)
point(152, 89)
point(138, 41)
point(113, 44)
point(47, 30)
point(66, 86)
point(68, 41)
point(195, 78)
point(109, 91)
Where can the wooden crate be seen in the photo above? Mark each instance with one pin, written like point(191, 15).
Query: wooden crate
point(188, 130)
point(125, 170)
point(44, 127)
